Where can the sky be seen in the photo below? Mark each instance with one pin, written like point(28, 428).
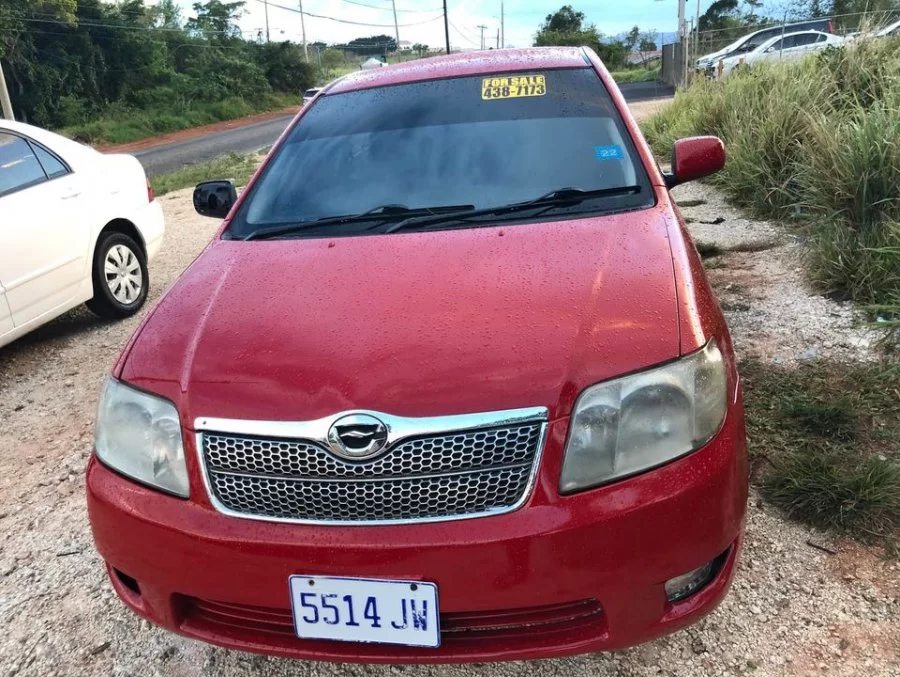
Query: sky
point(421, 20)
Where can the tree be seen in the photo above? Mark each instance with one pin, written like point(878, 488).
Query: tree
point(566, 20)
point(375, 44)
point(718, 14)
point(216, 21)
point(420, 49)
point(631, 40)
point(165, 14)
point(648, 42)
point(331, 59)
point(567, 27)
point(284, 66)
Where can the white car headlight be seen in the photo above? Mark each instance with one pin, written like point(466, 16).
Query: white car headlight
point(635, 423)
point(139, 435)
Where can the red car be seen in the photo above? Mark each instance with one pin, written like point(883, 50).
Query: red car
point(449, 385)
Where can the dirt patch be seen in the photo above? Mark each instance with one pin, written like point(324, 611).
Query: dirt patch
point(783, 319)
point(641, 110)
point(863, 569)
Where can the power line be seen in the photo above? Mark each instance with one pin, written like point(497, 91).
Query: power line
point(462, 35)
point(387, 9)
point(347, 21)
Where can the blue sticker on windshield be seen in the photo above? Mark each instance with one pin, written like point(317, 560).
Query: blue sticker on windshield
point(609, 152)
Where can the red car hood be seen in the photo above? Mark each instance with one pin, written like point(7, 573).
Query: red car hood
point(416, 324)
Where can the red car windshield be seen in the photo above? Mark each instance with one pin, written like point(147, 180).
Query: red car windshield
point(468, 143)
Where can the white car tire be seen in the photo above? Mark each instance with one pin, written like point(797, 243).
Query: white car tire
point(119, 273)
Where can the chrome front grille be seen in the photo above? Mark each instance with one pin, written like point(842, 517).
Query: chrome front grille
point(454, 473)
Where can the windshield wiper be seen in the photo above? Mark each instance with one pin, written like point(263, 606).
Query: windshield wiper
point(555, 198)
point(381, 214)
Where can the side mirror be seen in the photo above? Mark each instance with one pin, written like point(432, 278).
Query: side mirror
point(695, 157)
point(215, 198)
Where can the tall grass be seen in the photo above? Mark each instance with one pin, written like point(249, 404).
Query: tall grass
point(123, 124)
point(830, 433)
point(231, 166)
point(818, 140)
point(644, 74)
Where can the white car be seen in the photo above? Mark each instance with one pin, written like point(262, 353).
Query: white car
point(76, 226)
point(310, 94)
point(747, 43)
point(790, 46)
point(889, 31)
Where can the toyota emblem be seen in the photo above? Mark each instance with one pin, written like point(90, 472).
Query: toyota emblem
point(357, 437)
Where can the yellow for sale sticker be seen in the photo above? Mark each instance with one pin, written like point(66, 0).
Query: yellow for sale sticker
point(513, 87)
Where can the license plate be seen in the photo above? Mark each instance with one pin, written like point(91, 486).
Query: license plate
point(365, 610)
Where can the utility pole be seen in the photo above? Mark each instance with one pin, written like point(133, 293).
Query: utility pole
point(5, 103)
point(498, 38)
point(502, 27)
point(396, 26)
point(266, 5)
point(446, 28)
point(682, 38)
point(482, 35)
point(303, 34)
point(697, 34)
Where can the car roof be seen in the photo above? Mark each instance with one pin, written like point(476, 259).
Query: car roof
point(462, 64)
point(796, 26)
point(775, 38)
point(55, 142)
point(887, 30)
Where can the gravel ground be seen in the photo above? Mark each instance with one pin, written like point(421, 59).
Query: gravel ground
point(772, 312)
point(794, 609)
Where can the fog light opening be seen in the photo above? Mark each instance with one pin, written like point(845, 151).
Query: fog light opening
point(128, 582)
point(683, 586)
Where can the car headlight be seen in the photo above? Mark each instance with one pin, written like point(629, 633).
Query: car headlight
point(634, 423)
point(139, 435)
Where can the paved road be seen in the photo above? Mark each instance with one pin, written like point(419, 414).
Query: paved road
point(247, 139)
point(175, 155)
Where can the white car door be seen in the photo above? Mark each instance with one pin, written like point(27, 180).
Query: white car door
point(44, 238)
point(770, 53)
point(802, 44)
point(6, 323)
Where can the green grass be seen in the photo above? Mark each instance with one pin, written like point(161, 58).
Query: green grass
point(708, 250)
point(124, 125)
point(813, 143)
point(636, 75)
point(830, 434)
point(231, 166)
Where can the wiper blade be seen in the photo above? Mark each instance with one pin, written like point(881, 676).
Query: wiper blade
point(576, 195)
point(561, 196)
point(381, 214)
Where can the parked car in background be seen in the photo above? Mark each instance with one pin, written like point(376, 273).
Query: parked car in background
point(889, 31)
point(373, 62)
point(449, 384)
point(788, 47)
point(750, 42)
point(75, 226)
point(310, 94)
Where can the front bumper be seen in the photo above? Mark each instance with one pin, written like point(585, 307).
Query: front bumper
point(560, 576)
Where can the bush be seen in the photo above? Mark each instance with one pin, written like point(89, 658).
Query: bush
point(829, 433)
point(816, 139)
